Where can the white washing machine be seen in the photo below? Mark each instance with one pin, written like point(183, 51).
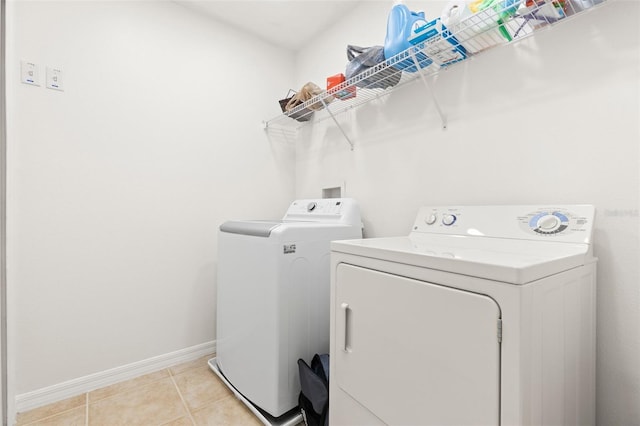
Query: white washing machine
point(273, 301)
point(482, 315)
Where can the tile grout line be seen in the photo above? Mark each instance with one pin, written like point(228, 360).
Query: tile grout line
point(87, 402)
point(184, 403)
point(36, 421)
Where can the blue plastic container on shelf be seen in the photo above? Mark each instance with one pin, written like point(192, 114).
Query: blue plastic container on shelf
point(437, 41)
point(400, 24)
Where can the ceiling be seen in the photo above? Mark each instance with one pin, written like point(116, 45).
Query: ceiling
point(286, 23)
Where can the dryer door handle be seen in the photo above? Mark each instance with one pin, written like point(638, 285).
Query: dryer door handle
point(347, 316)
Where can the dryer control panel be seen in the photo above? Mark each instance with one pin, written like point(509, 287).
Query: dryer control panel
point(567, 223)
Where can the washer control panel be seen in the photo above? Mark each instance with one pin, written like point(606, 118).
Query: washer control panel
point(311, 207)
point(330, 210)
point(570, 223)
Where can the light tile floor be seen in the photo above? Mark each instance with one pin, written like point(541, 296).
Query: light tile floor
point(184, 395)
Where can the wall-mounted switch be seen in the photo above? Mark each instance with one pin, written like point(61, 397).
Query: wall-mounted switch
point(29, 73)
point(54, 79)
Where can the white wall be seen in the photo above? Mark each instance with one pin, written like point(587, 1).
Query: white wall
point(3, 198)
point(552, 119)
point(118, 184)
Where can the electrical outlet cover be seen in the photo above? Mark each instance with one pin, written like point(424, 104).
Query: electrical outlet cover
point(54, 79)
point(29, 73)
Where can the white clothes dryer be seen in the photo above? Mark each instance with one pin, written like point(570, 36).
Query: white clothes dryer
point(482, 315)
point(273, 300)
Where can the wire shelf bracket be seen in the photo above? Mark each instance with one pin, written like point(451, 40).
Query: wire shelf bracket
point(335, 120)
point(430, 90)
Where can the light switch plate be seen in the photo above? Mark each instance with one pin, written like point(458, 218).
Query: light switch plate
point(29, 73)
point(55, 79)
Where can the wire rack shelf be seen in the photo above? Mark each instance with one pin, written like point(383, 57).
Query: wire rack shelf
point(508, 21)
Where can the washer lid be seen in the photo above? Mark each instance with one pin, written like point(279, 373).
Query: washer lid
point(256, 228)
point(499, 259)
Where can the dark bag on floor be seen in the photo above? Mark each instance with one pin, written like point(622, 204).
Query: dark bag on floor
point(314, 396)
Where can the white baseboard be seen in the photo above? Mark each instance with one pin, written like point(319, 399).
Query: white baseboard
point(30, 400)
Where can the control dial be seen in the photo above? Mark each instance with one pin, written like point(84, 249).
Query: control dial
point(311, 206)
point(448, 219)
point(549, 223)
point(431, 219)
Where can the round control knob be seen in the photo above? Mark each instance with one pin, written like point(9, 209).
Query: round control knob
point(311, 206)
point(548, 223)
point(431, 219)
point(448, 219)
